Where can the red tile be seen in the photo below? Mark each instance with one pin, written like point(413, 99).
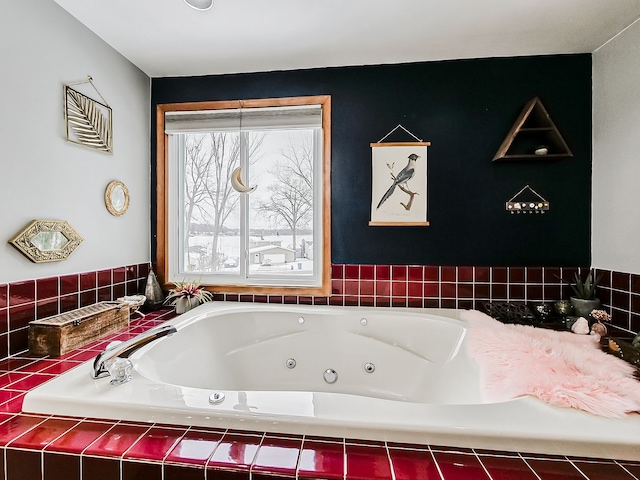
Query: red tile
point(79, 437)
point(104, 294)
point(337, 272)
point(61, 467)
point(498, 291)
point(69, 284)
point(465, 274)
point(352, 272)
point(20, 316)
point(413, 465)
point(61, 367)
point(554, 469)
point(448, 290)
point(16, 426)
point(36, 366)
point(118, 441)
point(320, 460)
point(634, 468)
point(14, 405)
point(22, 292)
point(481, 290)
point(104, 278)
point(47, 288)
point(18, 341)
point(4, 295)
point(619, 281)
point(383, 287)
point(45, 433)
point(367, 272)
point(180, 472)
point(194, 448)
point(277, 456)
point(11, 377)
point(155, 444)
point(100, 468)
point(131, 272)
point(431, 274)
point(534, 274)
point(84, 355)
point(534, 293)
point(88, 281)
point(398, 272)
point(482, 274)
point(367, 287)
point(141, 471)
point(118, 275)
point(46, 308)
point(351, 287)
point(235, 452)
point(88, 298)
point(499, 275)
point(465, 290)
point(516, 274)
point(337, 287)
point(507, 468)
point(460, 466)
point(635, 284)
point(4, 320)
point(367, 463)
point(415, 273)
point(448, 274)
point(603, 471)
point(383, 272)
point(399, 289)
point(30, 382)
point(22, 465)
point(69, 302)
point(414, 289)
point(431, 290)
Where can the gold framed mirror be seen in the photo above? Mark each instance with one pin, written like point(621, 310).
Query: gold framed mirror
point(116, 198)
point(47, 240)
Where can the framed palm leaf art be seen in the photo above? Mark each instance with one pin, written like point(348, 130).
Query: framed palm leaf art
point(399, 184)
point(88, 121)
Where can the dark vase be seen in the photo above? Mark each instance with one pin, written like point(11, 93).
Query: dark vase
point(582, 307)
point(153, 292)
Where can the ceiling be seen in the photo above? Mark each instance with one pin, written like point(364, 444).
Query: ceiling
point(168, 38)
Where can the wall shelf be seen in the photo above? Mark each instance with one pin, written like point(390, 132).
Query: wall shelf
point(532, 130)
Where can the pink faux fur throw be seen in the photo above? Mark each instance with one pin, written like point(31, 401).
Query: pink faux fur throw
point(561, 368)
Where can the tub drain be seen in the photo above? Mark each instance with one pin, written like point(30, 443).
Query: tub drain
point(291, 363)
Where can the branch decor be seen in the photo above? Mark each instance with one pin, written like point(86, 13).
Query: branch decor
point(88, 121)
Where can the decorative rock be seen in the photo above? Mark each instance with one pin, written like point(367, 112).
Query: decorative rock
point(581, 326)
point(599, 328)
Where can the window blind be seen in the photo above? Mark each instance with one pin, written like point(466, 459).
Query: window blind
point(266, 118)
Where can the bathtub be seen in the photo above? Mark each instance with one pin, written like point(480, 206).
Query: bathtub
point(399, 375)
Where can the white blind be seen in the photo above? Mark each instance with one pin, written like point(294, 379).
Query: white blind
point(266, 118)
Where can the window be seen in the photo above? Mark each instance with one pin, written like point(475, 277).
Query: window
point(274, 239)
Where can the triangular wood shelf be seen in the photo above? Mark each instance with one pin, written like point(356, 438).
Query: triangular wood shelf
point(533, 129)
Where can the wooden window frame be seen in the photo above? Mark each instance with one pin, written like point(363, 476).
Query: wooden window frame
point(162, 179)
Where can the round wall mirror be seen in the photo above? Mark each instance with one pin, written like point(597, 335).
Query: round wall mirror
point(116, 198)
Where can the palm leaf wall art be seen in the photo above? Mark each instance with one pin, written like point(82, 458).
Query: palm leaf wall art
point(88, 122)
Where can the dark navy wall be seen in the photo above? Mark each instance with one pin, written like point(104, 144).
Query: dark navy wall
point(464, 108)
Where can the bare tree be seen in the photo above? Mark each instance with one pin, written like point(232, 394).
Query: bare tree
point(210, 159)
point(291, 199)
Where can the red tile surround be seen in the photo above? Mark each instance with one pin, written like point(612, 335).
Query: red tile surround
point(52, 448)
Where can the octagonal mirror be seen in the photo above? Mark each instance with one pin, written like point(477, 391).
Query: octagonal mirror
point(47, 240)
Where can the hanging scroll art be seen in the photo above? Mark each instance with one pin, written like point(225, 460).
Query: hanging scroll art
point(399, 182)
point(88, 122)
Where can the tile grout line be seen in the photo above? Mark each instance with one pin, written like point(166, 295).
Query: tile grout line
point(435, 462)
point(530, 467)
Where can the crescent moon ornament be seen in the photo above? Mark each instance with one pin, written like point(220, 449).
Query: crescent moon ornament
point(236, 182)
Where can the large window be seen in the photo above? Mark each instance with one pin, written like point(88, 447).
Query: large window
point(273, 238)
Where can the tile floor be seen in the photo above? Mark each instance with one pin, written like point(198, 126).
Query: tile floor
point(55, 448)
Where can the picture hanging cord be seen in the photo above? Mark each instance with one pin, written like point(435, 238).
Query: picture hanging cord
point(89, 80)
point(523, 189)
point(399, 126)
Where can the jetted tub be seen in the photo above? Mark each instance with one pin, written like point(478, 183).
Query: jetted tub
point(398, 375)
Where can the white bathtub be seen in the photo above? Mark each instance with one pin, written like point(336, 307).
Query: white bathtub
point(424, 388)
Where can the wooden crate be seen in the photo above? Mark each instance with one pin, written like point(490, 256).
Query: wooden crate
point(57, 335)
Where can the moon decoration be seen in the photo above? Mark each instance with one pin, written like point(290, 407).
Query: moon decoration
point(236, 182)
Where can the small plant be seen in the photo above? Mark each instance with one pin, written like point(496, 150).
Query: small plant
point(585, 289)
point(186, 295)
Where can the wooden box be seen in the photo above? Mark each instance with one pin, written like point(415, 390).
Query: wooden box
point(57, 335)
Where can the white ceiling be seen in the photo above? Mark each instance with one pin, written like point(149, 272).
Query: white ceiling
point(168, 38)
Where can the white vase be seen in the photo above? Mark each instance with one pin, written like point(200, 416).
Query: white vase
point(185, 304)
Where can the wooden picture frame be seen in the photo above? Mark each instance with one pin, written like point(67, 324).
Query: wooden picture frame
point(399, 184)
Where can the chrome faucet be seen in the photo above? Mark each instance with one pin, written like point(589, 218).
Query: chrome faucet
point(124, 349)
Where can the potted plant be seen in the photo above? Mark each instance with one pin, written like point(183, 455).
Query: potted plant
point(584, 294)
point(187, 295)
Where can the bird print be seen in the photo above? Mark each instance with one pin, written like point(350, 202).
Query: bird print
point(402, 178)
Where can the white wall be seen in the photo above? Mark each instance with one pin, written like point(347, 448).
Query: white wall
point(42, 176)
point(616, 153)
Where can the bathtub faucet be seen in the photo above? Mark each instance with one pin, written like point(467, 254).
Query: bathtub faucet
point(124, 349)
